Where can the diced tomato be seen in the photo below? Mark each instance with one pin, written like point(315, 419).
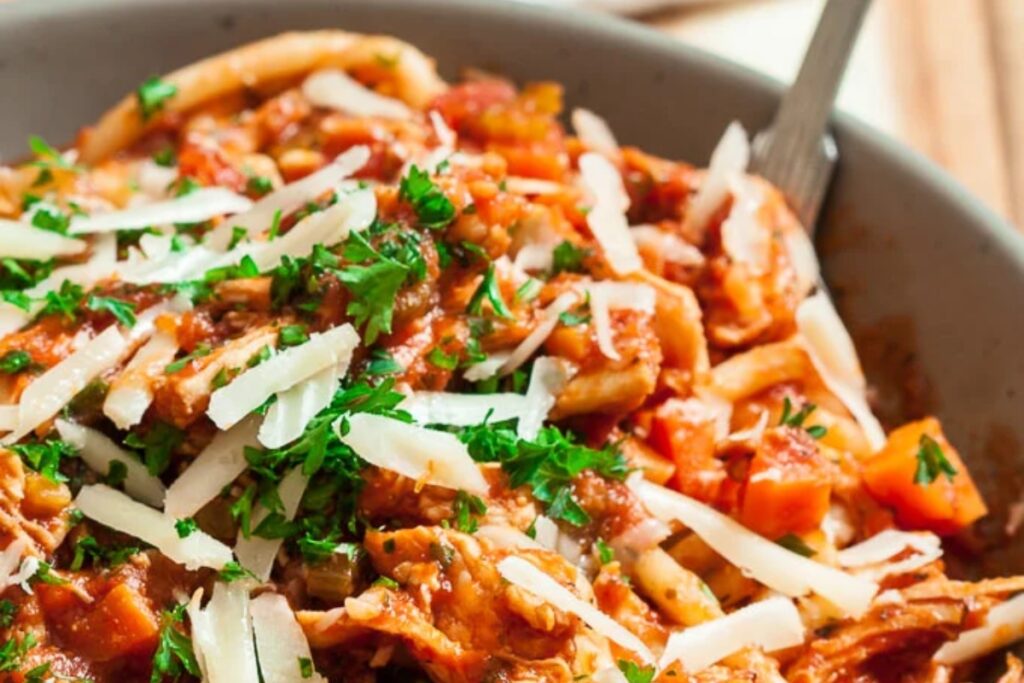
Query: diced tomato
point(207, 165)
point(945, 505)
point(469, 100)
point(788, 485)
point(684, 431)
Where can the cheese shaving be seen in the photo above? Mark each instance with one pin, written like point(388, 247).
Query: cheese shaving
point(831, 350)
point(744, 238)
point(529, 578)
point(280, 641)
point(605, 296)
point(21, 241)
point(8, 418)
point(607, 218)
point(334, 89)
point(546, 325)
point(10, 559)
point(293, 409)
point(99, 452)
point(761, 559)
point(215, 467)
point(871, 558)
point(119, 512)
point(1003, 626)
point(594, 132)
point(131, 392)
point(194, 207)
point(730, 157)
point(668, 246)
point(55, 388)
point(249, 390)
point(442, 408)
point(289, 198)
point(424, 455)
point(222, 635)
point(772, 624)
point(547, 379)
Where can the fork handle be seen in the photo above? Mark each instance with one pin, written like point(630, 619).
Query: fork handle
point(796, 149)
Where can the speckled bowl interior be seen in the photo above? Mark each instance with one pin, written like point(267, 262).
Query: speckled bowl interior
point(929, 281)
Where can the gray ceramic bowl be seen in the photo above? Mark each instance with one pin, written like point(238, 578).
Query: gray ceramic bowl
point(931, 283)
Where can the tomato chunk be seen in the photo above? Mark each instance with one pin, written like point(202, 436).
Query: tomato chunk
point(944, 505)
point(788, 485)
point(684, 431)
point(119, 624)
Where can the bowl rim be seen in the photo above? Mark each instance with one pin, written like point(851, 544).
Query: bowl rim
point(887, 149)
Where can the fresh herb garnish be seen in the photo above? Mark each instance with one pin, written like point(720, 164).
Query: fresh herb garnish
point(259, 185)
point(117, 472)
point(383, 363)
point(374, 287)
point(931, 462)
point(433, 209)
point(488, 289)
point(45, 457)
point(797, 419)
point(185, 527)
point(65, 301)
point(15, 361)
point(604, 551)
point(157, 444)
point(635, 673)
point(568, 258)
point(232, 571)
point(467, 508)
point(305, 667)
point(795, 544)
point(199, 351)
point(293, 335)
point(123, 311)
point(50, 218)
point(439, 359)
point(87, 547)
point(174, 656)
point(152, 96)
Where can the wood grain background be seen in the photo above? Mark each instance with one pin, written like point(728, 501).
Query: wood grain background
point(943, 76)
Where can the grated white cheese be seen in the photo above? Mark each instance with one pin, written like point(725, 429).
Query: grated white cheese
point(772, 624)
point(833, 355)
point(761, 559)
point(871, 558)
point(10, 559)
point(547, 379)
point(194, 207)
point(425, 455)
point(131, 392)
point(215, 467)
point(280, 641)
point(22, 241)
point(730, 157)
point(222, 634)
point(1003, 625)
point(334, 89)
point(529, 578)
point(293, 409)
point(55, 388)
point(607, 295)
point(443, 408)
point(545, 326)
point(119, 512)
point(280, 372)
point(8, 418)
point(744, 239)
point(98, 451)
point(289, 198)
point(594, 132)
point(607, 218)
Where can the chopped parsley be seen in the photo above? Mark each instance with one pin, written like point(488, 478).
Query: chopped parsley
point(374, 286)
point(8, 610)
point(233, 571)
point(931, 462)
point(306, 667)
point(433, 209)
point(185, 527)
point(199, 351)
point(13, 651)
point(65, 301)
point(439, 359)
point(117, 472)
point(604, 551)
point(44, 574)
point(488, 289)
point(259, 185)
point(293, 335)
point(152, 95)
point(383, 363)
point(547, 464)
point(386, 582)
point(467, 508)
point(797, 419)
point(634, 673)
point(15, 361)
point(45, 457)
point(50, 218)
point(87, 547)
point(164, 157)
point(568, 258)
point(123, 311)
point(157, 444)
point(795, 544)
point(174, 656)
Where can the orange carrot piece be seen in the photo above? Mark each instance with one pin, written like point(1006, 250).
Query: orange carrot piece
point(945, 505)
point(120, 624)
point(788, 485)
point(684, 432)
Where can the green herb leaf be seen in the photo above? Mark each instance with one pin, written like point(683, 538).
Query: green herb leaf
point(433, 209)
point(200, 351)
point(568, 258)
point(233, 571)
point(604, 551)
point(931, 462)
point(157, 445)
point(383, 363)
point(306, 667)
point(439, 359)
point(795, 544)
point(635, 673)
point(117, 472)
point(165, 157)
point(174, 656)
point(65, 301)
point(50, 218)
point(259, 185)
point(45, 457)
point(797, 419)
point(152, 95)
point(293, 335)
point(185, 527)
point(8, 610)
point(14, 361)
point(123, 311)
point(467, 508)
point(488, 289)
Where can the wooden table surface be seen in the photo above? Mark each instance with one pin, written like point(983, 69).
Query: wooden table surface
point(943, 76)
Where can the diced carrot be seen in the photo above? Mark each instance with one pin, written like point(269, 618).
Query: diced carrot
point(120, 624)
point(945, 505)
point(44, 498)
point(684, 431)
point(788, 484)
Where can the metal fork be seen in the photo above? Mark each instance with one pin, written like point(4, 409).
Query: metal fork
point(796, 152)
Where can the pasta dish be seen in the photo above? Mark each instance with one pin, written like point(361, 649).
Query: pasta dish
point(316, 367)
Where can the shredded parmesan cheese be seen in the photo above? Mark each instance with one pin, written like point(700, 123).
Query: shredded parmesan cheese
point(99, 452)
point(257, 554)
point(731, 156)
point(772, 624)
point(249, 390)
point(759, 558)
point(425, 455)
point(194, 207)
point(280, 641)
point(529, 578)
point(1003, 626)
point(548, 378)
point(607, 218)
point(119, 512)
point(442, 408)
point(334, 89)
point(18, 240)
point(131, 392)
point(834, 357)
point(218, 465)
point(594, 132)
point(222, 635)
point(546, 325)
point(293, 409)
